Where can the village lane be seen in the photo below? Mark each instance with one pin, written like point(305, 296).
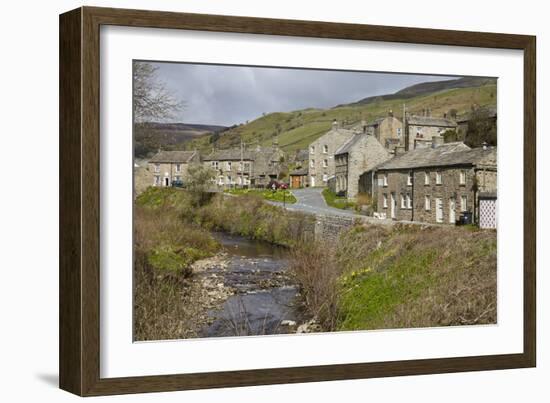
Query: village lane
point(310, 200)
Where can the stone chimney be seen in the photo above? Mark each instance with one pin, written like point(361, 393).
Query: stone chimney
point(390, 113)
point(335, 124)
point(437, 141)
point(399, 150)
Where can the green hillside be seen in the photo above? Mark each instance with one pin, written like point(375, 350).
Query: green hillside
point(295, 130)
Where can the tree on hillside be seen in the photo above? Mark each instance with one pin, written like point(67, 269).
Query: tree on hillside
point(151, 100)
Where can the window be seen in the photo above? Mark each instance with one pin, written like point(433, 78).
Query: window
point(409, 201)
point(398, 132)
point(157, 180)
point(410, 178)
point(312, 150)
point(228, 165)
point(463, 203)
point(403, 205)
point(157, 167)
point(247, 166)
point(325, 177)
point(426, 178)
point(325, 163)
point(312, 163)
point(463, 177)
point(215, 164)
point(385, 200)
point(325, 149)
point(229, 179)
point(427, 203)
point(178, 167)
point(240, 166)
point(385, 180)
point(438, 180)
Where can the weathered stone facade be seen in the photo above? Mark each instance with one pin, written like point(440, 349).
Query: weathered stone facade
point(245, 167)
point(321, 154)
point(388, 131)
point(169, 166)
point(359, 154)
point(436, 192)
point(420, 130)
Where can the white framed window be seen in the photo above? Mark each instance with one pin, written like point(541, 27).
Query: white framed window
point(312, 163)
point(157, 167)
point(409, 201)
point(427, 203)
point(220, 180)
point(403, 205)
point(426, 178)
point(410, 178)
point(462, 177)
point(214, 164)
point(312, 149)
point(157, 180)
point(325, 149)
point(229, 179)
point(325, 163)
point(178, 167)
point(463, 203)
point(385, 200)
point(438, 179)
point(385, 180)
point(240, 166)
point(398, 132)
point(228, 165)
point(325, 177)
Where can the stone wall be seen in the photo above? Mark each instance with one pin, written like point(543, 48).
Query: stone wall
point(164, 173)
point(329, 227)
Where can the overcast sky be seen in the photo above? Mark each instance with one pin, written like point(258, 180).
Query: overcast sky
point(227, 95)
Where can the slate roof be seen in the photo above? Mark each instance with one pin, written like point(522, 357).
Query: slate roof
point(348, 145)
point(430, 121)
point(173, 156)
point(231, 154)
point(449, 154)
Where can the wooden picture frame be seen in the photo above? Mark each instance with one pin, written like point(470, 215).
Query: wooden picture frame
point(79, 346)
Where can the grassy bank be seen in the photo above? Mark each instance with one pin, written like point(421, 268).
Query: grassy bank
point(166, 300)
point(266, 194)
point(401, 277)
point(335, 201)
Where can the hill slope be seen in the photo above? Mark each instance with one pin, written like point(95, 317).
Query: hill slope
point(295, 130)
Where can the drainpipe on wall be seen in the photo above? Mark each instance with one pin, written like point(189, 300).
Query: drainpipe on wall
point(413, 204)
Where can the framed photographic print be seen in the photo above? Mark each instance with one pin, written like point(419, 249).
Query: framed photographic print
point(249, 201)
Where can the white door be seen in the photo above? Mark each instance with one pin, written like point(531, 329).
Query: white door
point(439, 209)
point(312, 181)
point(452, 209)
point(393, 204)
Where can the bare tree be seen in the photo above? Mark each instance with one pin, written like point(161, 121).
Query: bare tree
point(152, 101)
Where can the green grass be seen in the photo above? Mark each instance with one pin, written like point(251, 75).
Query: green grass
point(340, 202)
point(368, 296)
point(278, 195)
point(296, 130)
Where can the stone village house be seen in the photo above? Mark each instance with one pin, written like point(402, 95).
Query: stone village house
point(169, 166)
point(321, 154)
point(387, 130)
point(253, 167)
point(436, 184)
point(359, 154)
point(420, 130)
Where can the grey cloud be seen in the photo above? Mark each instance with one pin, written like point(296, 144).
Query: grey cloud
point(228, 95)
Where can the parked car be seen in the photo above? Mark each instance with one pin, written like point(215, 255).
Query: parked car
point(177, 184)
point(274, 185)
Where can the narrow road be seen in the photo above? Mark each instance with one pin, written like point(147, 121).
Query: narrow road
point(310, 200)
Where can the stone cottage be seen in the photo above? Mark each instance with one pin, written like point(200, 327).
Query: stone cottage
point(253, 167)
point(387, 130)
point(419, 130)
point(359, 154)
point(170, 166)
point(436, 184)
point(321, 154)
